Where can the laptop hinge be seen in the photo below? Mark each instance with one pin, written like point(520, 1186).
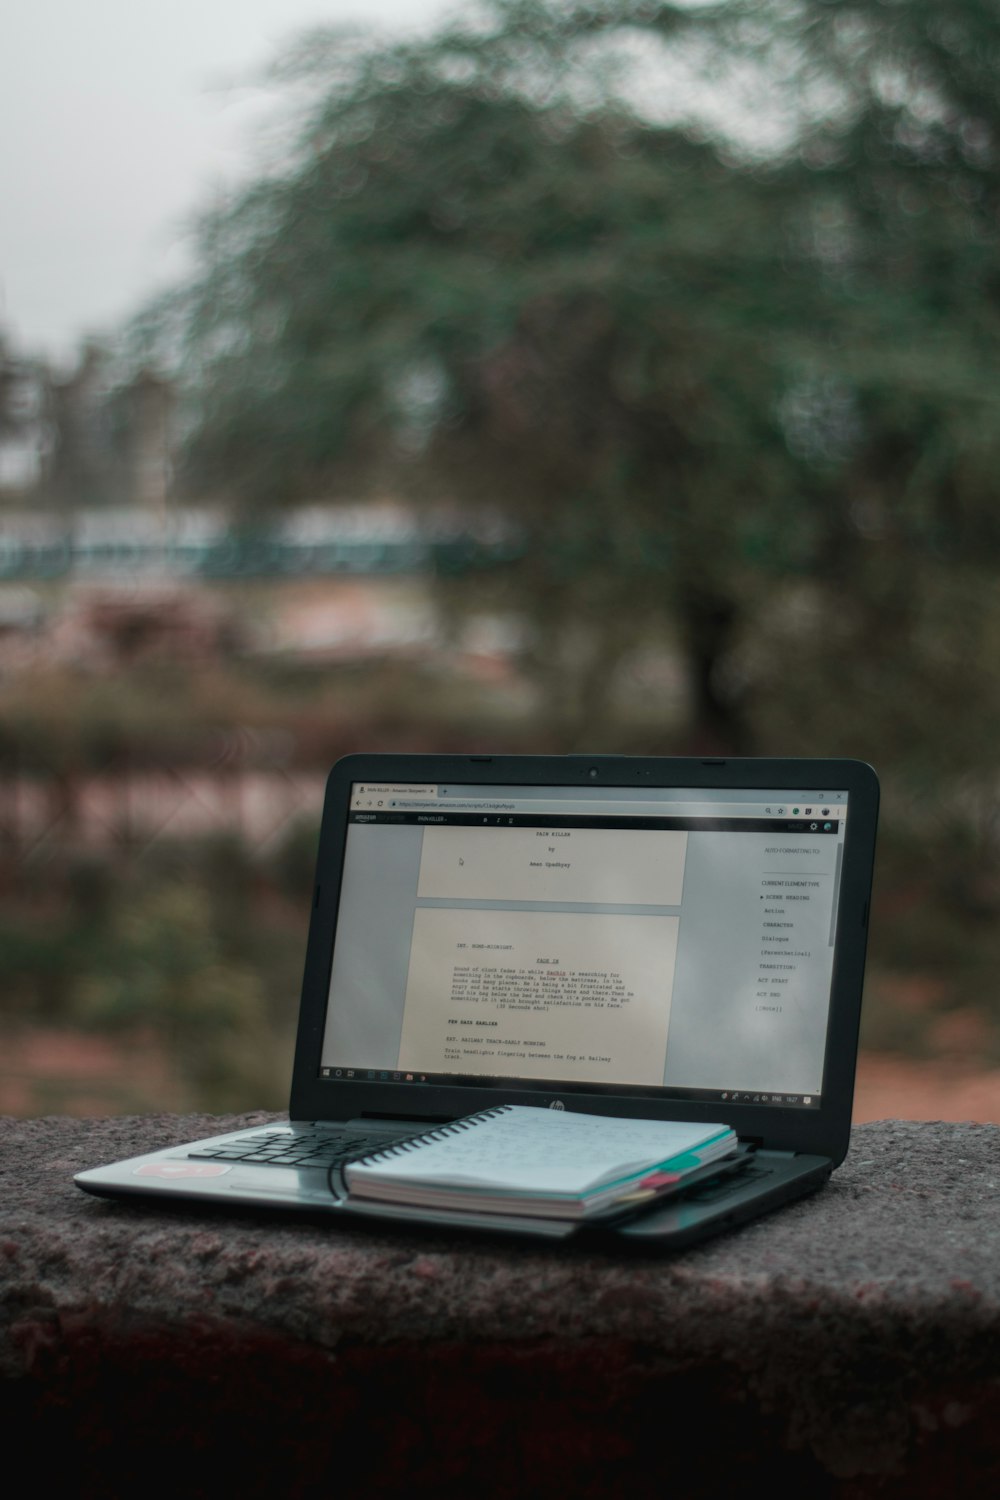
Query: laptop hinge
point(755, 1143)
point(413, 1116)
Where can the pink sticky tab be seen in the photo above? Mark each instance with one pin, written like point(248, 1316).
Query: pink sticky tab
point(182, 1169)
point(660, 1179)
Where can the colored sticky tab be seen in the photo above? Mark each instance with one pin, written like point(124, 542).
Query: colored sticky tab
point(687, 1161)
point(660, 1180)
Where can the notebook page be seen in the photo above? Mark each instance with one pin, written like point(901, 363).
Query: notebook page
point(541, 1150)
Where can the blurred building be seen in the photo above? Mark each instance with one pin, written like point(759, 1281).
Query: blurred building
point(89, 439)
point(25, 428)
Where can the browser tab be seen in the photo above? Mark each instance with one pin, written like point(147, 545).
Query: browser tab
point(373, 795)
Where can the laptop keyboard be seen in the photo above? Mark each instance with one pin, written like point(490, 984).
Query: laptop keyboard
point(276, 1148)
point(324, 1150)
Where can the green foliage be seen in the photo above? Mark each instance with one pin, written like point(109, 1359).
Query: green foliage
point(168, 978)
point(488, 273)
point(191, 954)
point(730, 396)
point(468, 286)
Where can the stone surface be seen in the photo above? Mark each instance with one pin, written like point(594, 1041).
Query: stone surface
point(850, 1343)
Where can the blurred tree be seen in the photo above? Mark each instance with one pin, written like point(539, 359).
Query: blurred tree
point(483, 278)
point(891, 650)
point(896, 409)
point(739, 398)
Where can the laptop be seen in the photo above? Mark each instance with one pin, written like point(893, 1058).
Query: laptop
point(666, 938)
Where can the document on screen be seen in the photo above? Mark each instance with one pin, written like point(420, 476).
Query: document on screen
point(539, 994)
point(613, 866)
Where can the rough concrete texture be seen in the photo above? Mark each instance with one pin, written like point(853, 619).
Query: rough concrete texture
point(849, 1343)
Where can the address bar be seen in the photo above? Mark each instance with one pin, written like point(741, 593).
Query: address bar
point(545, 808)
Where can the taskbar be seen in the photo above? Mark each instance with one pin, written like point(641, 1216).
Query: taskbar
point(769, 1098)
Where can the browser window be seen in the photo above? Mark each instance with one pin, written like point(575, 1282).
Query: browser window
point(672, 940)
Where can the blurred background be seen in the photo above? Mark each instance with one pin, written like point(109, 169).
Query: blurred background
point(512, 376)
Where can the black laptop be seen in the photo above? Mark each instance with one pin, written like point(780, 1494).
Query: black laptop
point(671, 938)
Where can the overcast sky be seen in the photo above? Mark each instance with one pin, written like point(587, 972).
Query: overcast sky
point(118, 119)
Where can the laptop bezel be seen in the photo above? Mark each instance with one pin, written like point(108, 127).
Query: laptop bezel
point(821, 1131)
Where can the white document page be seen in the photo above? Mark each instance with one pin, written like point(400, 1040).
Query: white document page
point(539, 994)
point(596, 866)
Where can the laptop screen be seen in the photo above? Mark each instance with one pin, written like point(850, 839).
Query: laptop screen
point(666, 942)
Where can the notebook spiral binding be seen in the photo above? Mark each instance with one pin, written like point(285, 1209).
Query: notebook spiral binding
point(398, 1148)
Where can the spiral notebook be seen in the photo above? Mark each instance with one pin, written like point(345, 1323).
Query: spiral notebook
point(640, 939)
point(540, 1163)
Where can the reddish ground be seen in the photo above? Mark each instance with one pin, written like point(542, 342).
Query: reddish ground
point(73, 1073)
point(899, 1088)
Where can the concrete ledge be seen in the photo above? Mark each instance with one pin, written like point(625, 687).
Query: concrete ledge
point(850, 1343)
